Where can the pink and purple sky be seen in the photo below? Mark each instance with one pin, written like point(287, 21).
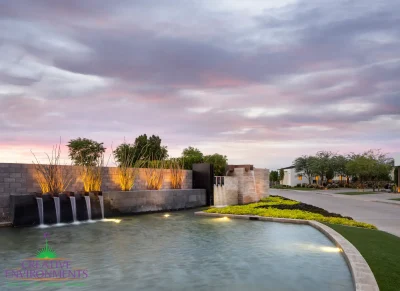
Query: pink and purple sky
point(260, 81)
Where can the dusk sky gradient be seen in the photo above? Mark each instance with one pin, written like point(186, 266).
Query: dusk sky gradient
point(259, 81)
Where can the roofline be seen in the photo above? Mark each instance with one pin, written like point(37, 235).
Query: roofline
point(291, 167)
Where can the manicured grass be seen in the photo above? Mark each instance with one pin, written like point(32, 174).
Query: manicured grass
point(398, 199)
point(303, 189)
point(380, 249)
point(296, 188)
point(358, 193)
point(265, 208)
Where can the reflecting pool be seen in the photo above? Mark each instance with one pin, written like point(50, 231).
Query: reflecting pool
point(179, 251)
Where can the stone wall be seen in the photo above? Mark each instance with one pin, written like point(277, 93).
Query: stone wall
point(226, 194)
point(242, 187)
point(262, 182)
point(119, 203)
point(19, 179)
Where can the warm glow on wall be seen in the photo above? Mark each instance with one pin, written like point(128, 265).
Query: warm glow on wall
point(300, 177)
point(317, 178)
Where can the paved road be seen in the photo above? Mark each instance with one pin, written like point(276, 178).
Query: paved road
point(361, 207)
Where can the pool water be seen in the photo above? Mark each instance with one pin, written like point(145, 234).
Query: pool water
point(184, 252)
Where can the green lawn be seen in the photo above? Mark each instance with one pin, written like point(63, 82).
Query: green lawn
point(398, 199)
point(303, 189)
point(358, 193)
point(380, 249)
point(296, 188)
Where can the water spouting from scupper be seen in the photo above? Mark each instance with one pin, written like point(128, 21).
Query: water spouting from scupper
point(40, 210)
point(58, 208)
point(73, 207)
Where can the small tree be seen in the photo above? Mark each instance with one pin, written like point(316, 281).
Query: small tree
point(274, 177)
point(340, 162)
point(303, 165)
point(192, 156)
point(281, 174)
point(85, 152)
point(321, 163)
point(151, 145)
point(219, 162)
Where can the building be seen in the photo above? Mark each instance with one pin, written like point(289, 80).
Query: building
point(292, 178)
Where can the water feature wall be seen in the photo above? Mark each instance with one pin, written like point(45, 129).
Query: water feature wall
point(18, 179)
point(27, 209)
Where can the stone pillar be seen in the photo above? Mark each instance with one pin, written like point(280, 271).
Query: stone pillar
point(262, 182)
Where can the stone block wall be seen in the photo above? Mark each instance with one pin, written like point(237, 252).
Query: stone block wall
point(242, 187)
point(262, 182)
point(19, 179)
point(226, 194)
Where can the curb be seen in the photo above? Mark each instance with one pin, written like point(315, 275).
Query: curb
point(363, 278)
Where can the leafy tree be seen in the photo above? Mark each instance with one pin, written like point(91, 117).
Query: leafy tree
point(85, 152)
point(219, 162)
point(143, 148)
point(303, 165)
point(329, 174)
point(321, 163)
point(371, 165)
point(192, 156)
point(340, 162)
point(281, 174)
point(274, 176)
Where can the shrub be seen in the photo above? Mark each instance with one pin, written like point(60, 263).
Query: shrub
point(298, 185)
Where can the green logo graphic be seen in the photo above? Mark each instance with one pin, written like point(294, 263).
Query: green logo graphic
point(46, 252)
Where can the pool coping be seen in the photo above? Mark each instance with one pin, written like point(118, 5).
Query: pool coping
point(363, 278)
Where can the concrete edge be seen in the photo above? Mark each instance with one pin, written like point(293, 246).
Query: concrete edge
point(5, 224)
point(363, 278)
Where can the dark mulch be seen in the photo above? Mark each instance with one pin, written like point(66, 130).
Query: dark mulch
point(306, 207)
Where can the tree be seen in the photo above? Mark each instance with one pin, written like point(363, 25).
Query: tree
point(192, 156)
point(219, 162)
point(321, 163)
point(85, 152)
point(371, 166)
point(143, 148)
point(281, 174)
point(303, 165)
point(340, 163)
point(274, 176)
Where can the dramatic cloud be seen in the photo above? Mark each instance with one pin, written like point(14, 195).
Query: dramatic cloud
point(259, 81)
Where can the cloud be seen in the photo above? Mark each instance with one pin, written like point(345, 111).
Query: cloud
point(261, 82)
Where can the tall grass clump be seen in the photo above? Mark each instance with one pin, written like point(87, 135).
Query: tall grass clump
point(128, 165)
point(92, 175)
point(154, 173)
point(177, 173)
point(52, 177)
